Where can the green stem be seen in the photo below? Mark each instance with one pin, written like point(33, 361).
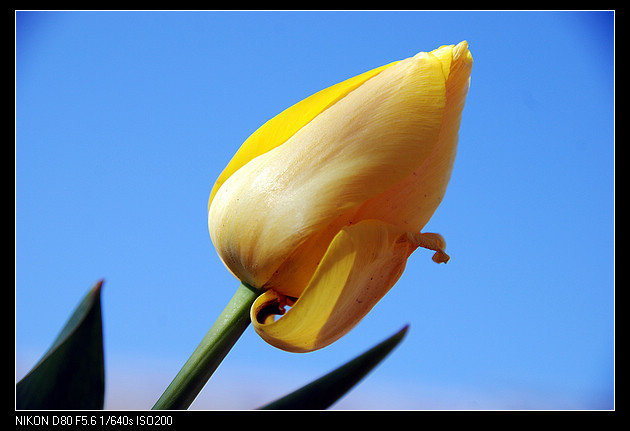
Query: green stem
point(213, 348)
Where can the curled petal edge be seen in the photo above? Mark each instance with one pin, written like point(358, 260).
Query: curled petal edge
point(360, 266)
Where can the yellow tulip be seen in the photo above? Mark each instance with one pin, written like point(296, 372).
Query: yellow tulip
point(322, 206)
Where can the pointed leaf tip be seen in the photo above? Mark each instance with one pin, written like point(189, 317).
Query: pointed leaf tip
point(71, 374)
point(325, 391)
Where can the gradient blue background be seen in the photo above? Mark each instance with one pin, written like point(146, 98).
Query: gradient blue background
point(125, 119)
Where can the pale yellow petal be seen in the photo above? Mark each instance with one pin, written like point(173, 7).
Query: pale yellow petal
point(281, 127)
point(411, 203)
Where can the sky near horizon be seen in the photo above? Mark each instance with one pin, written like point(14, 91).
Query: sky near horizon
point(124, 120)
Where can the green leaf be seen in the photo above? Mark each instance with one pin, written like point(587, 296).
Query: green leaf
point(70, 375)
point(325, 391)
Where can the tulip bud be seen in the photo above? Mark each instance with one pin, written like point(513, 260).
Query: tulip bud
point(322, 206)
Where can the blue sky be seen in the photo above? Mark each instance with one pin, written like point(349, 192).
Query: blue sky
point(125, 119)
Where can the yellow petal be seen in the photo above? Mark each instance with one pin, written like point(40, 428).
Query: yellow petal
point(360, 266)
point(361, 146)
point(280, 128)
point(411, 203)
